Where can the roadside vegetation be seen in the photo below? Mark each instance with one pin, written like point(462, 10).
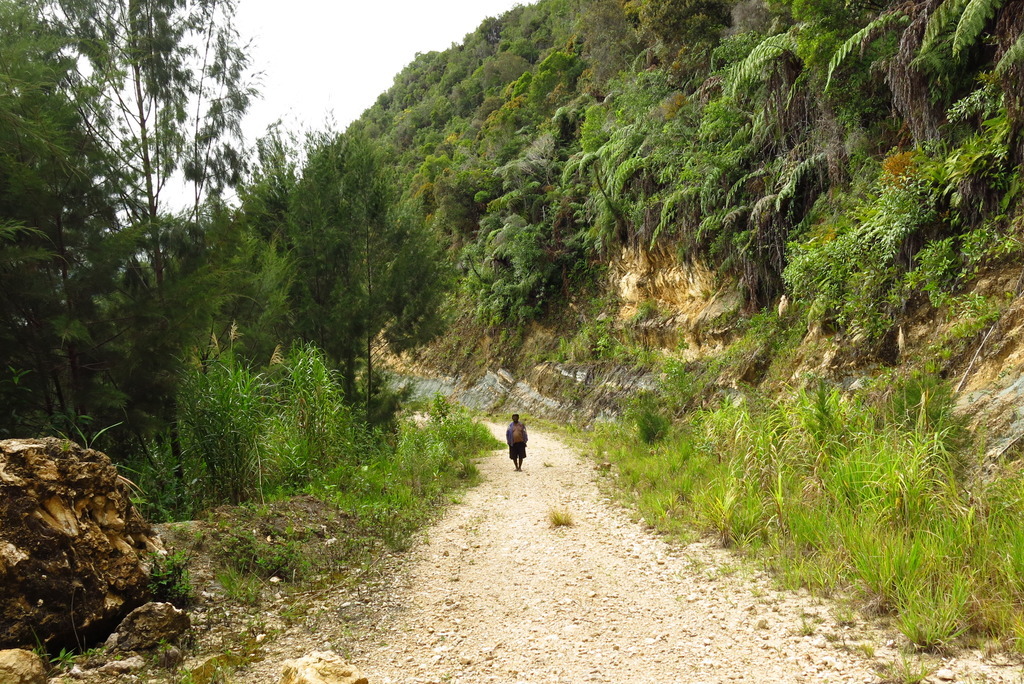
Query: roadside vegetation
point(251, 437)
point(878, 494)
point(285, 480)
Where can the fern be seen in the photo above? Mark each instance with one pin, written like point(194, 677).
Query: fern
point(740, 186)
point(711, 225)
point(623, 143)
point(972, 22)
point(760, 131)
point(668, 213)
point(743, 136)
point(754, 66)
point(761, 209)
point(735, 216)
point(1013, 56)
point(683, 195)
point(939, 21)
point(578, 164)
point(862, 38)
point(625, 171)
point(797, 177)
point(712, 192)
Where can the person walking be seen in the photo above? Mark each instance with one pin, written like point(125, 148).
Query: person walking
point(516, 437)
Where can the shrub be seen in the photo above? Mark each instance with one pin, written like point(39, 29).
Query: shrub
point(651, 426)
point(169, 579)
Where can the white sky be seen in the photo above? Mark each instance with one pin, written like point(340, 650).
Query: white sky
point(324, 56)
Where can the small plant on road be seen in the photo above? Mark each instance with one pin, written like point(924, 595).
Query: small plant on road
point(560, 517)
point(906, 670)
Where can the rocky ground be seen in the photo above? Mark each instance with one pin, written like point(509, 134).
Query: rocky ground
point(497, 593)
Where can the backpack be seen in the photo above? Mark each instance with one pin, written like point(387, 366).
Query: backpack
point(517, 433)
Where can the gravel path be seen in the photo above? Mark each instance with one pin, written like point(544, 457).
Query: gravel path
point(496, 594)
point(499, 595)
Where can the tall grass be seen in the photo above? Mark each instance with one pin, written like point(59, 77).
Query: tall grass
point(311, 428)
point(222, 414)
point(250, 436)
point(836, 492)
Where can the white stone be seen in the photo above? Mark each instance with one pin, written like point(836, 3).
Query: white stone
point(320, 667)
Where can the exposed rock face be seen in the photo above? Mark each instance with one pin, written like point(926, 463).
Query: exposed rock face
point(688, 297)
point(149, 625)
point(72, 546)
point(321, 668)
point(596, 392)
point(21, 667)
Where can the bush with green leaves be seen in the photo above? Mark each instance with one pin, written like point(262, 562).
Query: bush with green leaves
point(169, 579)
point(396, 489)
point(649, 421)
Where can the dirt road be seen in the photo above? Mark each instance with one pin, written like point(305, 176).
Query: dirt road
point(496, 594)
point(500, 595)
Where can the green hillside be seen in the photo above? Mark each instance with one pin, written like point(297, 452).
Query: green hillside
point(858, 158)
point(852, 171)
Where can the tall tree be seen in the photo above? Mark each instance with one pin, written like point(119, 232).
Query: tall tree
point(369, 273)
point(170, 78)
point(108, 108)
point(53, 328)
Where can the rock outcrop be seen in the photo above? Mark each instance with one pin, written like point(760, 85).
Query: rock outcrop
point(148, 626)
point(72, 546)
point(321, 668)
point(21, 667)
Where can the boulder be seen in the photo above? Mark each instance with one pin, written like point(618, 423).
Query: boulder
point(148, 626)
point(21, 667)
point(72, 546)
point(321, 667)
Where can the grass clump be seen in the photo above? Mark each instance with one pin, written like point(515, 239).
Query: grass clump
point(854, 493)
point(560, 517)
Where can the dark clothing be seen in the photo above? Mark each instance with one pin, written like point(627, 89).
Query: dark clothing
point(516, 449)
